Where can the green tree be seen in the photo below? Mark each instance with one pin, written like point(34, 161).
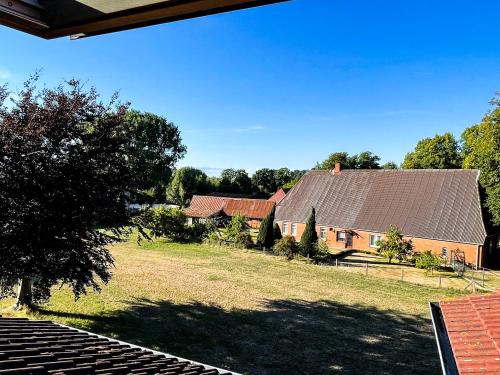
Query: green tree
point(364, 160)
point(153, 147)
point(395, 246)
point(440, 152)
point(367, 160)
point(264, 181)
point(65, 172)
point(481, 148)
point(277, 232)
point(428, 261)
point(309, 240)
point(265, 237)
point(235, 181)
point(390, 165)
point(187, 182)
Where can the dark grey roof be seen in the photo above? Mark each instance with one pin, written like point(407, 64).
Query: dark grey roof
point(42, 347)
point(435, 204)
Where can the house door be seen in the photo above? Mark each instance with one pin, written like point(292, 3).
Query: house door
point(348, 239)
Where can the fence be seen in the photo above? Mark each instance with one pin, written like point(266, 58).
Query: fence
point(403, 273)
point(477, 278)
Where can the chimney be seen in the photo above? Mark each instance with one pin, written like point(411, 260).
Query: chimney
point(337, 169)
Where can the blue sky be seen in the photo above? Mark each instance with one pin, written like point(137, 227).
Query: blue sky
point(287, 84)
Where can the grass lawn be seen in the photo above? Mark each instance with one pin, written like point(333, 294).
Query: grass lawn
point(256, 313)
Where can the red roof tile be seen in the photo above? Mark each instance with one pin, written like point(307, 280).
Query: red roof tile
point(250, 208)
point(278, 196)
point(473, 326)
point(206, 206)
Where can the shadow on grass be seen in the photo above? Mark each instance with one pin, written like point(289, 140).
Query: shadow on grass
point(287, 337)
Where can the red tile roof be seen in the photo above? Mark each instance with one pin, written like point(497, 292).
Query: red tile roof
point(205, 206)
point(278, 196)
point(473, 326)
point(250, 208)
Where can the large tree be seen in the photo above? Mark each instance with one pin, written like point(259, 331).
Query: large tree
point(235, 181)
point(481, 148)
point(153, 145)
point(264, 181)
point(187, 182)
point(65, 172)
point(439, 152)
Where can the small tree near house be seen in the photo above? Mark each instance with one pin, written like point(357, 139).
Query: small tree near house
point(277, 232)
point(395, 246)
point(309, 240)
point(265, 239)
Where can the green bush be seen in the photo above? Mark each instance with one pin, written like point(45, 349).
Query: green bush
point(170, 223)
point(395, 246)
point(238, 225)
point(287, 247)
point(243, 240)
point(427, 260)
point(214, 239)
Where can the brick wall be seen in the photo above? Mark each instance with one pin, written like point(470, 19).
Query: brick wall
point(361, 241)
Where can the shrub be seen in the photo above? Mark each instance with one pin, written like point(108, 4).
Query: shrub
point(214, 239)
point(238, 225)
point(163, 222)
point(322, 247)
point(287, 247)
point(427, 260)
point(200, 231)
point(243, 240)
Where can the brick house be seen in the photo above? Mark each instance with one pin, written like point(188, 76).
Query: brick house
point(203, 207)
point(439, 210)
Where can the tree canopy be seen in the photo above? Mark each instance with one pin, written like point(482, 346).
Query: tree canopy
point(65, 172)
point(439, 152)
point(153, 147)
point(235, 180)
point(187, 182)
point(481, 148)
point(363, 160)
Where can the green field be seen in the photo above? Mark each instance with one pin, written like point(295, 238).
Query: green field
point(257, 313)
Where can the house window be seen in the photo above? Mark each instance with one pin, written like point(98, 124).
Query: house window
point(444, 252)
point(322, 233)
point(294, 229)
point(341, 236)
point(285, 228)
point(374, 238)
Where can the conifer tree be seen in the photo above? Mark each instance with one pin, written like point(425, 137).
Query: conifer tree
point(265, 238)
point(277, 233)
point(309, 239)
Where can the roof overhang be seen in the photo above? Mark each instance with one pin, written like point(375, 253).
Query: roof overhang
point(79, 18)
point(448, 364)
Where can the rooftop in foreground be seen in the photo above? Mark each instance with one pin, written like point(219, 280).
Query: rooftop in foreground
point(42, 347)
point(468, 334)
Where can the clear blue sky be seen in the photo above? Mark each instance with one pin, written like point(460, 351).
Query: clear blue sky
point(287, 84)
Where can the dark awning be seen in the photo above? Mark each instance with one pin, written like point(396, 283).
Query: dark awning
point(78, 18)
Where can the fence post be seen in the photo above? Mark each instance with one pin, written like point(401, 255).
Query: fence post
point(366, 269)
point(402, 274)
point(483, 278)
point(440, 281)
point(336, 262)
point(473, 283)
